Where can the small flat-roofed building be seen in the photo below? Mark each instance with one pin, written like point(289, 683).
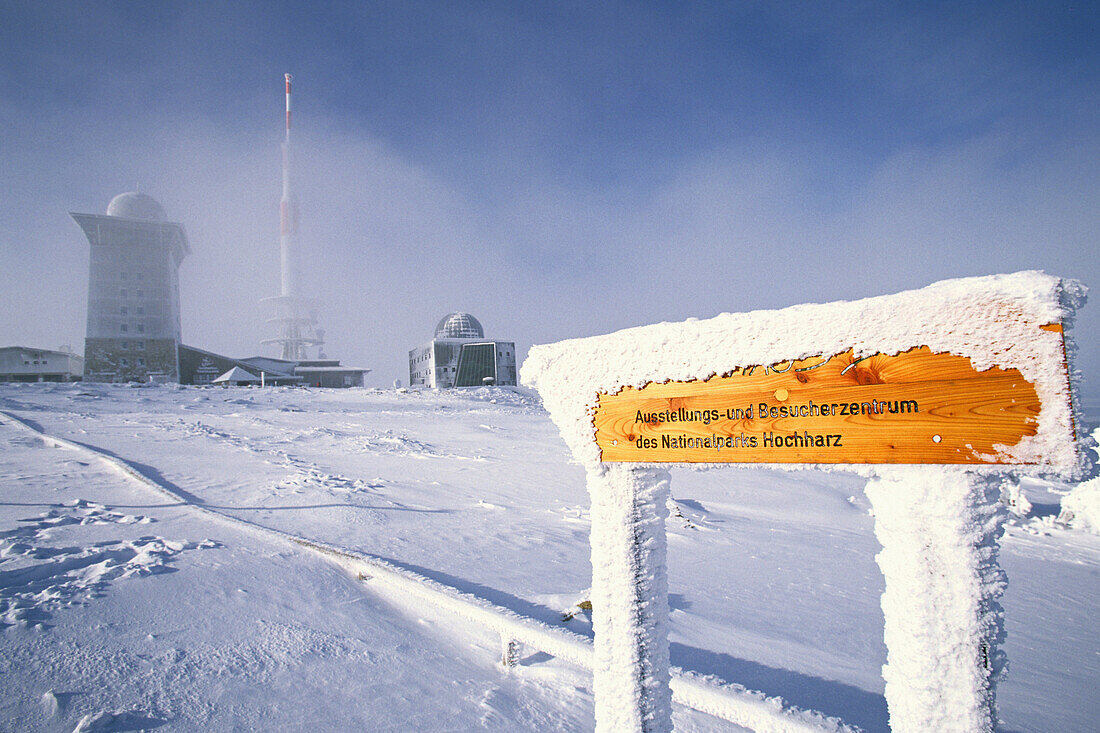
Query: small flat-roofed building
point(25, 364)
point(461, 356)
point(329, 373)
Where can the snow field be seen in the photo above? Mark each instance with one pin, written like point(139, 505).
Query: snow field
point(730, 703)
point(221, 643)
point(1081, 505)
point(772, 576)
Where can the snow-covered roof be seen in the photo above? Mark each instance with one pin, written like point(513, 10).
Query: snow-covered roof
point(236, 374)
point(270, 364)
point(313, 369)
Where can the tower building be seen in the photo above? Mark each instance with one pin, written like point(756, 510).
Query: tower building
point(133, 331)
point(461, 356)
point(295, 316)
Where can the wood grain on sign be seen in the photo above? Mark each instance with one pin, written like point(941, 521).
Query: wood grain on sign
point(912, 407)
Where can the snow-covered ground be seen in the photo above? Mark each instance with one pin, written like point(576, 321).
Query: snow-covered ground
point(124, 609)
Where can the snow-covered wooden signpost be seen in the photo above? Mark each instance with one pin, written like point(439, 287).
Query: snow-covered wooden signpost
point(936, 395)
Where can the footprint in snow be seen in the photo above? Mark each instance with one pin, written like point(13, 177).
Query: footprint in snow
point(117, 722)
point(38, 578)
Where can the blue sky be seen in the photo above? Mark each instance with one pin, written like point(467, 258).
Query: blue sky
point(556, 169)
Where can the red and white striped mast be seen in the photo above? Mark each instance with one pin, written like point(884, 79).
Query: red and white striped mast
point(288, 212)
point(295, 316)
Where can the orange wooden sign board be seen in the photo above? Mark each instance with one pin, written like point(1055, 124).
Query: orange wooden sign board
point(912, 407)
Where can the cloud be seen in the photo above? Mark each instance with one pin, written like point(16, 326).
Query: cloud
point(559, 181)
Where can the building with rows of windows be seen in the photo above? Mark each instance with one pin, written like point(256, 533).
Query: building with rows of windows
point(133, 329)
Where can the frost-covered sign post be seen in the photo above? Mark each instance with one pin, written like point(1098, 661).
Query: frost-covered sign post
point(937, 396)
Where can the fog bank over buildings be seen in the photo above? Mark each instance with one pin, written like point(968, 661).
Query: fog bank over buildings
point(554, 176)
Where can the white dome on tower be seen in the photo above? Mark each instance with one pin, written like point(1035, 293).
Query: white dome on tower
point(134, 205)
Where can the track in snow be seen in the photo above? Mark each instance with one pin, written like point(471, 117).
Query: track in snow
point(729, 702)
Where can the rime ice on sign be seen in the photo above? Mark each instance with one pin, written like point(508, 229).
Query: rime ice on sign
point(995, 321)
point(969, 371)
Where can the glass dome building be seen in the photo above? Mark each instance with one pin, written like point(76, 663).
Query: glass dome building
point(461, 356)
